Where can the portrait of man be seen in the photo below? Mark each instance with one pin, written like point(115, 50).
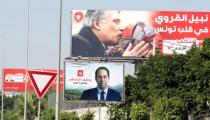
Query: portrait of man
point(102, 29)
point(102, 92)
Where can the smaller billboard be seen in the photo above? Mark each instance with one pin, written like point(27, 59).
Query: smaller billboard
point(14, 79)
point(96, 82)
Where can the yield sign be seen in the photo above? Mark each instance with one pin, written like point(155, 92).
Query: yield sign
point(41, 81)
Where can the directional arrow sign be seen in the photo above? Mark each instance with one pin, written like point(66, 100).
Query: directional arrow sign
point(41, 81)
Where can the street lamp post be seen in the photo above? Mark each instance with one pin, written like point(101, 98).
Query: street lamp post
point(57, 104)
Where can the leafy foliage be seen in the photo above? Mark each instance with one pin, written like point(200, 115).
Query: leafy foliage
point(139, 111)
point(87, 116)
point(69, 116)
point(118, 112)
point(168, 109)
point(11, 115)
point(48, 114)
point(14, 109)
point(170, 86)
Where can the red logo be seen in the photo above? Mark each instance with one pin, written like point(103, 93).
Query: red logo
point(80, 73)
point(78, 16)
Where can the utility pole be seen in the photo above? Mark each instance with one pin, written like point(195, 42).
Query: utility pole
point(26, 76)
point(2, 82)
point(57, 104)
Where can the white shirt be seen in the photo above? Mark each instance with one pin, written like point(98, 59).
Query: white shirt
point(99, 93)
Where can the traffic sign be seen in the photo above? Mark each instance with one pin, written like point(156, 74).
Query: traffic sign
point(41, 81)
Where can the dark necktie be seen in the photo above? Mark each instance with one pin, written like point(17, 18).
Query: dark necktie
point(102, 95)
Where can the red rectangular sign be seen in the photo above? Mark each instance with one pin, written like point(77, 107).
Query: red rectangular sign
point(14, 80)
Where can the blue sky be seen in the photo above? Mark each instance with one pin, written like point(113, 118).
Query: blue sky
point(44, 26)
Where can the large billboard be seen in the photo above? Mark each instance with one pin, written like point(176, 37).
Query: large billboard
point(86, 81)
point(14, 79)
point(105, 33)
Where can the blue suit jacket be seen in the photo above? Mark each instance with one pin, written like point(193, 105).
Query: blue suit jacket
point(91, 94)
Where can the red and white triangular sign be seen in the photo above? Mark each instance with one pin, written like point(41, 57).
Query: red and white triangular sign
point(41, 81)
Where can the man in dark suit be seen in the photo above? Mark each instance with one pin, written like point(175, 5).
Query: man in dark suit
point(102, 92)
point(101, 29)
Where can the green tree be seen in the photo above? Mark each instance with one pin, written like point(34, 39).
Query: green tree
point(168, 109)
point(69, 116)
point(121, 111)
point(19, 106)
point(139, 111)
point(14, 106)
point(11, 115)
point(87, 116)
point(47, 114)
point(173, 85)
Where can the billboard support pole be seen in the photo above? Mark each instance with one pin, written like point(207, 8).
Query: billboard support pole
point(99, 112)
point(39, 109)
point(88, 106)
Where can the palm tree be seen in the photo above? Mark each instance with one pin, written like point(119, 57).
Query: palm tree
point(19, 106)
